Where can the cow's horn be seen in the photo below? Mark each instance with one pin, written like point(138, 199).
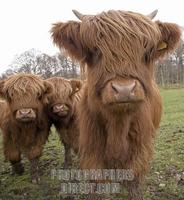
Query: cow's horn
point(153, 14)
point(78, 14)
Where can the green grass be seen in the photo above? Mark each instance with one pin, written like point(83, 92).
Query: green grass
point(166, 179)
point(164, 182)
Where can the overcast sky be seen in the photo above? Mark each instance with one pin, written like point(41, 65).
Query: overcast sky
point(25, 24)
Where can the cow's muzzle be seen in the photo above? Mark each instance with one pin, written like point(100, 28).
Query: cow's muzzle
point(61, 110)
point(123, 91)
point(25, 115)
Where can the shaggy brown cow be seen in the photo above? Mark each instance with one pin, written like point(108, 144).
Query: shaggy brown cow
point(25, 125)
point(62, 111)
point(121, 106)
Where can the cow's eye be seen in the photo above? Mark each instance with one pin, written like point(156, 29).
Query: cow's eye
point(71, 95)
point(93, 56)
point(39, 96)
point(8, 97)
point(148, 55)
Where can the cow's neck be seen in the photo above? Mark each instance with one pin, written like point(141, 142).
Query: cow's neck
point(117, 144)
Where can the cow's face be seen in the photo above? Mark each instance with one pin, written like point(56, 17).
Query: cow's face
point(25, 94)
point(117, 44)
point(61, 101)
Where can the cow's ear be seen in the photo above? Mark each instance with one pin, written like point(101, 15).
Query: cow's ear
point(170, 38)
point(76, 85)
point(48, 88)
point(67, 36)
point(2, 93)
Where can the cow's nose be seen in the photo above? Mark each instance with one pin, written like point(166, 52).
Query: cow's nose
point(60, 108)
point(24, 112)
point(126, 92)
point(123, 89)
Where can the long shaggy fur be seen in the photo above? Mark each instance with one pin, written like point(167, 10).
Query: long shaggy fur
point(24, 91)
point(117, 45)
point(3, 105)
point(66, 92)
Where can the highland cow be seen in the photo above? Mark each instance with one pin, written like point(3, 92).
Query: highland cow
point(62, 111)
point(25, 125)
point(121, 106)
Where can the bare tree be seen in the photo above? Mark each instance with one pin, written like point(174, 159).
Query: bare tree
point(36, 62)
point(170, 72)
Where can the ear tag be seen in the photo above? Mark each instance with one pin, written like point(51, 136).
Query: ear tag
point(162, 45)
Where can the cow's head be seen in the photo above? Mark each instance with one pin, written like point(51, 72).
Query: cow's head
point(119, 49)
point(61, 102)
point(25, 94)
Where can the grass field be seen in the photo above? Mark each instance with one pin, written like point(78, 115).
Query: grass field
point(164, 182)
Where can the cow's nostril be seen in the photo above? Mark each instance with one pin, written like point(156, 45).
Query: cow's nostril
point(58, 107)
point(114, 87)
point(133, 86)
point(62, 107)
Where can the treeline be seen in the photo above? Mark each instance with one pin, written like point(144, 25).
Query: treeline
point(36, 62)
point(169, 72)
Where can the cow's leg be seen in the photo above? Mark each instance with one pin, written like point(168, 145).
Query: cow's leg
point(68, 156)
point(134, 190)
point(14, 156)
point(33, 156)
point(17, 167)
point(34, 170)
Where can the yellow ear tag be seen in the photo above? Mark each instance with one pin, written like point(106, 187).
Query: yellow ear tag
point(162, 45)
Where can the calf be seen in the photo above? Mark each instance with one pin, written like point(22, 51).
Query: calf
point(62, 111)
point(121, 106)
point(25, 125)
